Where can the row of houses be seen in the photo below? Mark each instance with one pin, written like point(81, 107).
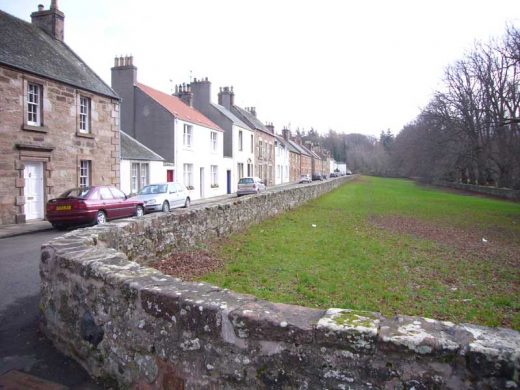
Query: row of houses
point(62, 126)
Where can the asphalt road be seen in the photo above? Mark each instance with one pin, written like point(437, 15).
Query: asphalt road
point(22, 346)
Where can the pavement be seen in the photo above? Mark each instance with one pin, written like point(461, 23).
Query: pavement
point(24, 228)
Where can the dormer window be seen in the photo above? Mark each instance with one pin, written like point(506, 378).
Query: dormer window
point(84, 114)
point(34, 106)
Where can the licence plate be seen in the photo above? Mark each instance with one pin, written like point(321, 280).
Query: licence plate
point(63, 208)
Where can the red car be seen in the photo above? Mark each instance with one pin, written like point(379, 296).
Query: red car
point(91, 205)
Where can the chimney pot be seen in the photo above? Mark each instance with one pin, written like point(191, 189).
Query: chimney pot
point(54, 4)
point(40, 7)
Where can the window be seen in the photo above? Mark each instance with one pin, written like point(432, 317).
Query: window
point(260, 149)
point(139, 177)
point(240, 168)
point(252, 144)
point(214, 175)
point(84, 173)
point(118, 194)
point(105, 193)
point(34, 106)
point(188, 135)
point(240, 141)
point(84, 114)
point(249, 169)
point(213, 137)
point(188, 175)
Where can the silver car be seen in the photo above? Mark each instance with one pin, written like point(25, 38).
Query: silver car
point(164, 196)
point(250, 185)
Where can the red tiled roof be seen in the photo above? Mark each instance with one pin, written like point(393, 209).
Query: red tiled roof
point(177, 107)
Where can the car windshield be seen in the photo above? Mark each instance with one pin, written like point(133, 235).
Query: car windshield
point(154, 189)
point(246, 180)
point(75, 193)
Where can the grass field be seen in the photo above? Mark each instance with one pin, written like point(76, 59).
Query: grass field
point(385, 245)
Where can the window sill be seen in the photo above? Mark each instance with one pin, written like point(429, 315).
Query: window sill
point(84, 135)
point(37, 129)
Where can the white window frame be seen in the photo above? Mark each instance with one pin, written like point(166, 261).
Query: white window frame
point(252, 143)
point(34, 104)
point(187, 135)
point(214, 141)
point(240, 169)
point(214, 175)
point(85, 106)
point(188, 175)
point(84, 173)
point(240, 140)
point(139, 176)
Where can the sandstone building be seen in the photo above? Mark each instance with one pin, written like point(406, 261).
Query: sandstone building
point(58, 120)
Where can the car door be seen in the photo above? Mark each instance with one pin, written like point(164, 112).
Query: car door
point(122, 206)
point(108, 202)
point(172, 195)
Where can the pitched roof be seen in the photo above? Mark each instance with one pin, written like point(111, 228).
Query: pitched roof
point(178, 108)
point(300, 148)
point(28, 48)
point(232, 117)
point(250, 119)
point(132, 149)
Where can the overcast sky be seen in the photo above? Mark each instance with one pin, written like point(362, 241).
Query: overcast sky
point(350, 66)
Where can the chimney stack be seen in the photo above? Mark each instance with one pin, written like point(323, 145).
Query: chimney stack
point(124, 79)
point(286, 133)
point(252, 110)
point(183, 92)
point(51, 21)
point(270, 127)
point(226, 97)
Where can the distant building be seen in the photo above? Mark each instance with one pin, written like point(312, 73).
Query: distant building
point(58, 119)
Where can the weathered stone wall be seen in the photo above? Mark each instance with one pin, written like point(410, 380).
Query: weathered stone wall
point(132, 325)
point(505, 193)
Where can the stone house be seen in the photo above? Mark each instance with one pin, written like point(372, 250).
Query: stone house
point(305, 157)
point(264, 143)
point(58, 120)
point(238, 137)
point(294, 156)
point(189, 142)
point(139, 165)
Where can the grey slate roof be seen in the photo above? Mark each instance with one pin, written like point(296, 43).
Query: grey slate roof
point(28, 48)
point(232, 117)
point(250, 119)
point(301, 149)
point(132, 149)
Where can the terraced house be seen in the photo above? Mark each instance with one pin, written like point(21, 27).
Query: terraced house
point(189, 142)
point(58, 120)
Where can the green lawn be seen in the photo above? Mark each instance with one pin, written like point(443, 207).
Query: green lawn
point(385, 245)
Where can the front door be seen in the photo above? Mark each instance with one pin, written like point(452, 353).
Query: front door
point(202, 182)
point(228, 173)
point(33, 190)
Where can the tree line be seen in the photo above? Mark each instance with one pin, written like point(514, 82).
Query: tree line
point(469, 131)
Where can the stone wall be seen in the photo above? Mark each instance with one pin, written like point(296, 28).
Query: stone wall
point(505, 193)
point(132, 325)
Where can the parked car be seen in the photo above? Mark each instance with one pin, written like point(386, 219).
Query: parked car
point(250, 185)
point(349, 172)
point(317, 176)
point(305, 179)
point(164, 196)
point(91, 205)
point(334, 174)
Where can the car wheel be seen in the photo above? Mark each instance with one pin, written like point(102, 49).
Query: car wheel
point(187, 203)
point(139, 211)
point(165, 206)
point(101, 217)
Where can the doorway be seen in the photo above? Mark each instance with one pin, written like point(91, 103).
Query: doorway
point(33, 190)
point(228, 176)
point(202, 182)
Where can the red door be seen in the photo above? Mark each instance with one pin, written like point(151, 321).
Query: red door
point(169, 175)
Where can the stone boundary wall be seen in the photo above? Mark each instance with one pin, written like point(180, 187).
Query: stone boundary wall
point(505, 193)
point(132, 326)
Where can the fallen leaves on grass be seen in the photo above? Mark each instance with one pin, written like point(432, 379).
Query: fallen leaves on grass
point(188, 265)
